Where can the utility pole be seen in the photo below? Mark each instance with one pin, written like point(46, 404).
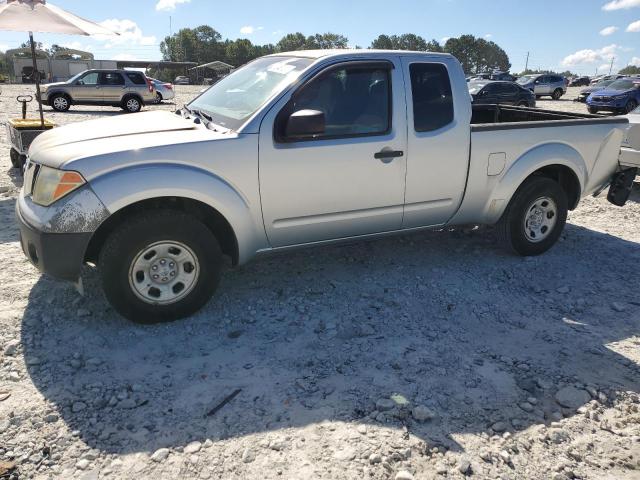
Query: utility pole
point(611, 67)
point(526, 63)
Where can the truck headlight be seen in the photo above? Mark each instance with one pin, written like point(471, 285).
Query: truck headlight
point(52, 184)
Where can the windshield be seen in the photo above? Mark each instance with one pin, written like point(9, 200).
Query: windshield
point(526, 79)
point(604, 83)
point(75, 77)
point(623, 84)
point(232, 100)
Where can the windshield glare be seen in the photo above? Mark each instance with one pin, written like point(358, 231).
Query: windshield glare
point(232, 100)
point(622, 85)
point(525, 79)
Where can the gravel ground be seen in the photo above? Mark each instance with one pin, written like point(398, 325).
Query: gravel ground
point(435, 355)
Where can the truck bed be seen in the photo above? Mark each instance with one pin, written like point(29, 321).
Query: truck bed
point(504, 117)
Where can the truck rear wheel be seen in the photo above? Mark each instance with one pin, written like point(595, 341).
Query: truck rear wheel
point(557, 93)
point(160, 266)
point(535, 217)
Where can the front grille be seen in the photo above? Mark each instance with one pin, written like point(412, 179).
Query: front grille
point(30, 176)
point(602, 99)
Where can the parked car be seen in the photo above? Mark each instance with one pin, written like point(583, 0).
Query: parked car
point(164, 90)
point(127, 89)
point(544, 85)
point(580, 82)
point(300, 149)
point(182, 80)
point(584, 93)
point(504, 93)
point(621, 96)
point(27, 75)
point(600, 78)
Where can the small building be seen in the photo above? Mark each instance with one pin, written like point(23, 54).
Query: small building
point(209, 72)
point(67, 62)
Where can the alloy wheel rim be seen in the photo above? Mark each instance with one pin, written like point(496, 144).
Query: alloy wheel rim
point(60, 102)
point(132, 104)
point(540, 218)
point(164, 272)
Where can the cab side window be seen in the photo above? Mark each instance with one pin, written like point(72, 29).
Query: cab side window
point(137, 78)
point(432, 97)
point(355, 100)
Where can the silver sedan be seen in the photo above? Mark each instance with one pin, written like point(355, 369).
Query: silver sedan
point(164, 90)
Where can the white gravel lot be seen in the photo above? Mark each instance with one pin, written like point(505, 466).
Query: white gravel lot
point(435, 355)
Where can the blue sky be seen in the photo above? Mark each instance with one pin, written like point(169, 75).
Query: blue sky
point(559, 35)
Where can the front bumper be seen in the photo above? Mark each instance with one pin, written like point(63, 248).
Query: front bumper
point(61, 255)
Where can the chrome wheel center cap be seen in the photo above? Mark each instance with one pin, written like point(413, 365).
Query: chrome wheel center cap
point(163, 270)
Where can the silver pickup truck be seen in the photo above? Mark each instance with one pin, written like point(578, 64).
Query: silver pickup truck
point(296, 149)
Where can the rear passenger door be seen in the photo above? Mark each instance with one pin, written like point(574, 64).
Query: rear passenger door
point(542, 85)
point(438, 140)
point(113, 86)
point(507, 94)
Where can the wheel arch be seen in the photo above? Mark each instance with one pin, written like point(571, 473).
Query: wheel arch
point(212, 218)
point(210, 198)
point(559, 162)
point(128, 95)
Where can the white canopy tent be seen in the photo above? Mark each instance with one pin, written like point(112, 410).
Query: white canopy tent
point(40, 16)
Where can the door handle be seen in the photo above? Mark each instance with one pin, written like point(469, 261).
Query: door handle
point(387, 155)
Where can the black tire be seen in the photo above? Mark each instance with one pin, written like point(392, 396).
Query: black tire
point(137, 233)
point(630, 106)
point(512, 226)
point(557, 93)
point(158, 99)
point(15, 158)
point(131, 104)
point(592, 110)
point(522, 103)
point(60, 102)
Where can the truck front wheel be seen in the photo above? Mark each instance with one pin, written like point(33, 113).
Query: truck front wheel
point(159, 266)
point(535, 217)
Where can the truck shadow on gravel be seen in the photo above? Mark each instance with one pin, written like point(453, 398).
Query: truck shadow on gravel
point(447, 320)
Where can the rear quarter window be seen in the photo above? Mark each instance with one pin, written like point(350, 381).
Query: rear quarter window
point(432, 96)
point(136, 78)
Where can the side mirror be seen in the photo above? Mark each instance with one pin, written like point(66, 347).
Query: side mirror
point(305, 123)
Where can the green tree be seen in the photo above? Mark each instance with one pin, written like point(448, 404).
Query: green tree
point(406, 41)
point(292, 42)
point(477, 55)
point(630, 70)
point(326, 41)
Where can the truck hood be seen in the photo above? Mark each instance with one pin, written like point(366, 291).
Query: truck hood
point(120, 133)
point(53, 84)
point(111, 127)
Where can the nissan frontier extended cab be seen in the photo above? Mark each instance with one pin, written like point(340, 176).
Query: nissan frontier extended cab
point(301, 148)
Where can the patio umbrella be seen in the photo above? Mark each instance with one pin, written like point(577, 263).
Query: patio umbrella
point(40, 16)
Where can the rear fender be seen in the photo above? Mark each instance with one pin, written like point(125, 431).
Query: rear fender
point(533, 160)
point(124, 187)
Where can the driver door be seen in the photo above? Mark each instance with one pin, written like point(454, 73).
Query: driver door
point(87, 88)
point(348, 180)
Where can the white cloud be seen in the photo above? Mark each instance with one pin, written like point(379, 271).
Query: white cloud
point(590, 56)
point(488, 36)
point(130, 33)
point(124, 57)
point(249, 29)
point(620, 5)
point(608, 31)
point(634, 26)
point(169, 5)
point(443, 40)
point(635, 61)
point(4, 47)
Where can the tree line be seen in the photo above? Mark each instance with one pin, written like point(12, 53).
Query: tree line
point(204, 44)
